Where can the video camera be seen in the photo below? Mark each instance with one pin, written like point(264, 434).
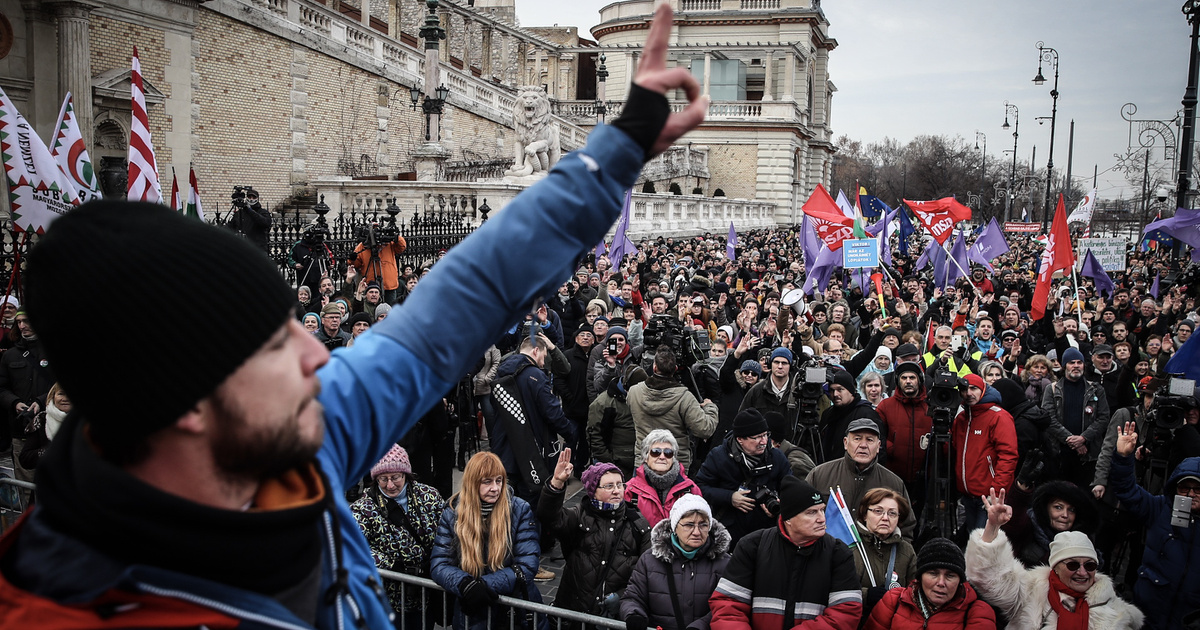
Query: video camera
point(240, 196)
point(945, 395)
point(688, 347)
point(808, 388)
point(1167, 414)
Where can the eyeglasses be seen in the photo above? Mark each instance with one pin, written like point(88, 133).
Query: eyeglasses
point(662, 452)
point(702, 526)
point(880, 512)
point(1089, 566)
point(1188, 490)
point(395, 480)
point(750, 373)
point(609, 487)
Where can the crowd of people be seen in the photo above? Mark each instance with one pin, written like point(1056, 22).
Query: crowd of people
point(747, 453)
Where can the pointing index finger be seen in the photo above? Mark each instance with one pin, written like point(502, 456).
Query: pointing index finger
point(654, 53)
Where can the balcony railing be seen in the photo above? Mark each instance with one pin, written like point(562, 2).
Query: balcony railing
point(584, 112)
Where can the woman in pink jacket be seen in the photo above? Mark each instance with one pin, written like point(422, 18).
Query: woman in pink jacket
point(659, 482)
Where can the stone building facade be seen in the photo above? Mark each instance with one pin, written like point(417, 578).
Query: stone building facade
point(281, 93)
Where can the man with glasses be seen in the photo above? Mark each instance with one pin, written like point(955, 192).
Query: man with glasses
point(858, 471)
point(741, 476)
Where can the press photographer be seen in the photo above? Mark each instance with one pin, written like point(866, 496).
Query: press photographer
point(379, 243)
point(741, 476)
point(311, 257)
point(248, 217)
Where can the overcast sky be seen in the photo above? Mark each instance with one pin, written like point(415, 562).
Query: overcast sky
point(946, 67)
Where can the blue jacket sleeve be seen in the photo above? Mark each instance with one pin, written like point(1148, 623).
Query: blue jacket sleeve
point(1132, 496)
point(527, 550)
point(374, 391)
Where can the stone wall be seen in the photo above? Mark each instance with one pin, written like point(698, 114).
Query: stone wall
point(112, 43)
point(734, 169)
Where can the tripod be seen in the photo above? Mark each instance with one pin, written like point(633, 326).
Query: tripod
point(940, 516)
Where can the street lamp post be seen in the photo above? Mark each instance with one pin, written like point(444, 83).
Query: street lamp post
point(432, 106)
point(435, 98)
point(1048, 55)
point(601, 78)
point(983, 163)
point(1016, 127)
point(1191, 8)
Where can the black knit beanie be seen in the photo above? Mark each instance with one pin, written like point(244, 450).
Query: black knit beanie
point(748, 423)
point(941, 553)
point(189, 274)
point(796, 496)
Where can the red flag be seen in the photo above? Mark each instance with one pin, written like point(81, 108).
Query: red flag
point(939, 216)
point(831, 226)
point(1057, 255)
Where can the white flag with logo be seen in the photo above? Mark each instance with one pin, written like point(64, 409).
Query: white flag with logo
point(1083, 212)
point(38, 190)
point(70, 152)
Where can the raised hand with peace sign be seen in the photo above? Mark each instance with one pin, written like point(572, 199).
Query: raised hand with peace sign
point(562, 470)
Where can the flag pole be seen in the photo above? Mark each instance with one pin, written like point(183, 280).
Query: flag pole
point(841, 501)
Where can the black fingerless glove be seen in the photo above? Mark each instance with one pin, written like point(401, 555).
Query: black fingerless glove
point(643, 117)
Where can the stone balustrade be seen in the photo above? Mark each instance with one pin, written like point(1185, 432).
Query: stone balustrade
point(584, 112)
point(651, 214)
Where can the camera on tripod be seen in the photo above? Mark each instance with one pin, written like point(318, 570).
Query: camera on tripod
point(767, 498)
point(945, 395)
point(375, 235)
point(809, 386)
point(1168, 414)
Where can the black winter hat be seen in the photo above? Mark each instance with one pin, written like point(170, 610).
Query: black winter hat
point(795, 496)
point(749, 422)
point(1011, 393)
point(777, 424)
point(941, 553)
point(843, 378)
point(192, 272)
point(909, 366)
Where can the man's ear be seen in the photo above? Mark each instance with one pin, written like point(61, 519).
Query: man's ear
point(197, 420)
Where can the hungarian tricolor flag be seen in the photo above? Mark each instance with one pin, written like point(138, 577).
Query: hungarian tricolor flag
point(1057, 255)
point(176, 202)
point(939, 216)
point(193, 209)
point(831, 226)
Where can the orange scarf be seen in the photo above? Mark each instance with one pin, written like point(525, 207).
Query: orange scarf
point(1067, 620)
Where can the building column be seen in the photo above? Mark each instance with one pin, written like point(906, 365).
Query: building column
point(485, 60)
point(768, 80)
point(789, 83)
point(707, 72)
point(466, 57)
point(74, 61)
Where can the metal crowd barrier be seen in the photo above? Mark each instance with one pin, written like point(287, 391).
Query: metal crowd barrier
point(556, 616)
point(14, 500)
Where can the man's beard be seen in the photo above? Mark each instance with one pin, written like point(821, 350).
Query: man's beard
point(245, 453)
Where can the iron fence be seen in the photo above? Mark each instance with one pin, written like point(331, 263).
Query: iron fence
point(521, 615)
point(444, 221)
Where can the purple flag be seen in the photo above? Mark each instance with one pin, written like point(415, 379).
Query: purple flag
point(880, 230)
point(621, 244)
point(1094, 270)
point(822, 269)
point(1153, 287)
point(989, 246)
point(731, 243)
point(1185, 226)
point(809, 242)
point(959, 253)
point(600, 249)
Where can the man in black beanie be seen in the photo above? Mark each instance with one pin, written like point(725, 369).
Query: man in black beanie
point(199, 478)
point(741, 477)
point(794, 561)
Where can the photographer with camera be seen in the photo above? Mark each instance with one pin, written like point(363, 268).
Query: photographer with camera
point(1166, 589)
point(741, 477)
point(947, 354)
point(311, 257)
point(249, 217)
point(375, 256)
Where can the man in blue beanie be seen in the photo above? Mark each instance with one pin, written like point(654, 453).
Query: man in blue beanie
point(1082, 408)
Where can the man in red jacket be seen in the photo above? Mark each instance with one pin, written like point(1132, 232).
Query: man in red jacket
point(906, 416)
point(984, 441)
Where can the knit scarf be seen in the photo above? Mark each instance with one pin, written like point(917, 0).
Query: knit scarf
point(664, 482)
point(678, 547)
point(54, 420)
point(486, 509)
point(1067, 620)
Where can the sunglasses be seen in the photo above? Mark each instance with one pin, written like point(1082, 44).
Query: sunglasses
point(662, 452)
point(1089, 566)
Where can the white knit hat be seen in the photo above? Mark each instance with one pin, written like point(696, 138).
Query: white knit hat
point(1071, 545)
point(689, 503)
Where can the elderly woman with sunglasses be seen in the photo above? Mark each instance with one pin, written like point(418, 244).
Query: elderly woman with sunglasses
point(1070, 593)
point(660, 481)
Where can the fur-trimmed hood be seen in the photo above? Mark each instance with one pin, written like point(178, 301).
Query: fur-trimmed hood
point(661, 547)
point(1087, 517)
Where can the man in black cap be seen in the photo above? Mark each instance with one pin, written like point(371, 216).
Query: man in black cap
point(741, 468)
point(200, 478)
point(847, 407)
point(1115, 377)
point(858, 470)
point(904, 352)
point(786, 575)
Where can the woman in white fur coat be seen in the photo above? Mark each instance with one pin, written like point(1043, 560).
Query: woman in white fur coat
point(1069, 594)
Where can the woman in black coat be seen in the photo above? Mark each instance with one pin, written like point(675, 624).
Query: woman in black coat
point(601, 537)
point(673, 580)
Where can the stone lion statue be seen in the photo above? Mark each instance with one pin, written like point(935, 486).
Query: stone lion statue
point(536, 147)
